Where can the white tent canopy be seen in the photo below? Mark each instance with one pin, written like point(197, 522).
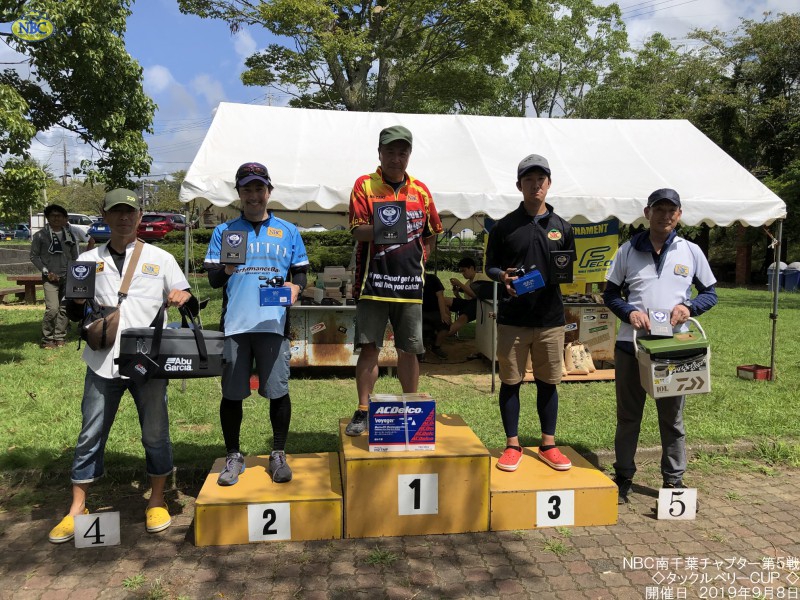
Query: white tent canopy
point(601, 168)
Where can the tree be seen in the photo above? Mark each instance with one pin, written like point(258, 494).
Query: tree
point(658, 81)
point(374, 55)
point(82, 80)
point(566, 46)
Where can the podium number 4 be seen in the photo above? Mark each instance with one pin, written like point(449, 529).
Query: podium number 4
point(555, 508)
point(418, 494)
point(269, 522)
point(677, 504)
point(97, 530)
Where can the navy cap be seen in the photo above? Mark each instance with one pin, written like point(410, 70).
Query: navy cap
point(664, 194)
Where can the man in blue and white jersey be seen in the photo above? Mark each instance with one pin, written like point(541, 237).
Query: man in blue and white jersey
point(654, 269)
point(252, 331)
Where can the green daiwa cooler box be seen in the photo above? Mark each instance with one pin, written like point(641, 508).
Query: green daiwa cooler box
point(675, 366)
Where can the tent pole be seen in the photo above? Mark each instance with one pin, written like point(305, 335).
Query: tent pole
point(774, 314)
point(493, 317)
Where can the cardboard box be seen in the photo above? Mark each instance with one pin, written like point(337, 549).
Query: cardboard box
point(402, 422)
point(757, 372)
point(674, 366)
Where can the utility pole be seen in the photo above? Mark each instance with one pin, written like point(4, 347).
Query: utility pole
point(64, 180)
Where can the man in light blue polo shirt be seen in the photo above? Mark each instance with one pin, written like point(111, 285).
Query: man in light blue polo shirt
point(254, 332)
point(654, 269)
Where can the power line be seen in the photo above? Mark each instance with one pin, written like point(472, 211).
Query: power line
point(643, 14)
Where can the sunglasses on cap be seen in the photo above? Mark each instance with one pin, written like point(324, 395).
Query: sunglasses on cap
point(252, 169)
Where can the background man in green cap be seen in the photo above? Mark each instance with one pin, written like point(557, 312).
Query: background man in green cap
point(388, 278)
point(157, 279)
point(52, 248)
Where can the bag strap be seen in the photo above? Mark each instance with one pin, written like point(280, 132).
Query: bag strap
point(126, 280)
point(186, 315)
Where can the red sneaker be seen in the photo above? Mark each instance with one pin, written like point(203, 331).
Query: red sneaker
point(555, 459)
point(510, 459)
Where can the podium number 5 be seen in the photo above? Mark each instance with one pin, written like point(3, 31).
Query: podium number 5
point(418, 494)
point(678, 505)
point(269, 522)
point(555, 508)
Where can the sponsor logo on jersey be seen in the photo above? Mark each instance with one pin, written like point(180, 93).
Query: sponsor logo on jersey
point(274, 232)
point(554, 234)
point(682, 270)
point(150, 269)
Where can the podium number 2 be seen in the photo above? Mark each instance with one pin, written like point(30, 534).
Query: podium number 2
point(418, 494)
point(555, 508)
point(269, 522)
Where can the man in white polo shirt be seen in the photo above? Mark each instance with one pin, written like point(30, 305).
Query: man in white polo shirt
point(157, 278)
point(654, 269)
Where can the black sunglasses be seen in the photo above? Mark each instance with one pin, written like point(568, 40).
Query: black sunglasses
point(251, 169)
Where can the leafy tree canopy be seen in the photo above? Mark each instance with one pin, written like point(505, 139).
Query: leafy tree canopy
point(81, 79)
point(376, 55)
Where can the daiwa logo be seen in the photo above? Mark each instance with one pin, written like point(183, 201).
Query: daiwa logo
point(397, 410)
point(176, 363)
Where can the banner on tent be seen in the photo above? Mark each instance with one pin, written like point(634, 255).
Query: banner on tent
point(595, 245)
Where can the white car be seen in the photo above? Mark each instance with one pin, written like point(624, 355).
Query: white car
point(80, 225)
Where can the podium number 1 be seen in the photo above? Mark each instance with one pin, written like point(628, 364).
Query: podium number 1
point(555, 508)
point(269, 522)
point(418, 494)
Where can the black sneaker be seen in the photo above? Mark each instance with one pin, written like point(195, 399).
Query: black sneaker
point(678, 485)
point(278, 467)
point(437, 350)
point(623, 488)
point(358, 424)
point(234, 466)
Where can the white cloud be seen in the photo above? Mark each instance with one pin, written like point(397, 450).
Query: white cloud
point(244, 44)
point(208, 87)
point(157, 79)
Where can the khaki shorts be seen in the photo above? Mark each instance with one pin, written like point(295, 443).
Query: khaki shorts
point(545, 346)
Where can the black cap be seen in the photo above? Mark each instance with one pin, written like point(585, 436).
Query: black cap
point(664, 194)
point(55, 208)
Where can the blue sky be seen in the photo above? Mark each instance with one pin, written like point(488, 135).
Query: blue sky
point(191, 64)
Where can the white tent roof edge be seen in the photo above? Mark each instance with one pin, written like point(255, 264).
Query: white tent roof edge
point(601, 168)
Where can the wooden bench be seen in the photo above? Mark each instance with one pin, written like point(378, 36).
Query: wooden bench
point(19, 292)
point(29, 282)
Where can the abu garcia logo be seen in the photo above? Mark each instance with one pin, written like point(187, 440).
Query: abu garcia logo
point(33, 26)
point(177, 363)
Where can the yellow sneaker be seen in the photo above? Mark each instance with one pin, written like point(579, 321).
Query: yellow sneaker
point(65, 530)
point(158, 519)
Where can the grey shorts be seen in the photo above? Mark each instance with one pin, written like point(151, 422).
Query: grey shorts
point(405, 318)
point(271, 352)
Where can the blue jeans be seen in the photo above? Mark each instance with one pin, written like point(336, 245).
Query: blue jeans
point(101, 398)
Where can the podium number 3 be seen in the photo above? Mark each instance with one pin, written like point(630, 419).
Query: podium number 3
point(418, 494)
point(555, 508)
point(269, 522)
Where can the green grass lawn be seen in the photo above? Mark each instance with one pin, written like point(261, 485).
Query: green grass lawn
point(40, 394)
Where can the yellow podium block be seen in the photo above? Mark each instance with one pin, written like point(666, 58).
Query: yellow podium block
point(257, 510)
point(416, 493)
point(536, 495)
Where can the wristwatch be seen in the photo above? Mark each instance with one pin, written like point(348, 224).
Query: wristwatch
point(688, 304)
